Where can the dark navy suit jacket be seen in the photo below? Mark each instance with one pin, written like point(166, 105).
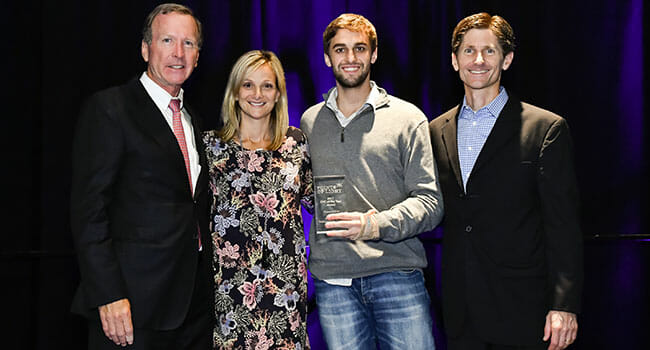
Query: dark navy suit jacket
point(134, 219)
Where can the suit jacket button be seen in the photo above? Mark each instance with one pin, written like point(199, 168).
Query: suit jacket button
point(461, 195)
point(468, 228)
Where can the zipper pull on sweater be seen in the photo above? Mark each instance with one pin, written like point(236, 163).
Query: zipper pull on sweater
point(342, 134)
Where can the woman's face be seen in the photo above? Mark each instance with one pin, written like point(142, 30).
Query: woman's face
point(258, 93)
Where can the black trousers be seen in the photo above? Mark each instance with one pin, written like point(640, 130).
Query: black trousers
point(464, 343)
point(194, 333)
point(468, 340)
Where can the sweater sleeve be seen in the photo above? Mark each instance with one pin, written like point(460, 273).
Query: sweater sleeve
point(422, 210)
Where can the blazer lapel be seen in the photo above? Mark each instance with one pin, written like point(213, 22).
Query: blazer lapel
point(449, 138)
point(152, 122)
point(507, 126)
point(198, 141)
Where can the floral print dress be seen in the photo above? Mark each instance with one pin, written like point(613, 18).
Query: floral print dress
point(260, 264)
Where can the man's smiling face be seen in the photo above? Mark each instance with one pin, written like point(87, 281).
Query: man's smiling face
point(173, 52)
point(350, 58)
point(479, 60)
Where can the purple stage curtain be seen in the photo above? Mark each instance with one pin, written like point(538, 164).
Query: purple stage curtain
point(582, 59)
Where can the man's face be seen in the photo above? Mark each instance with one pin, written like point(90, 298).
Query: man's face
point(173, 52)
point(350, 58)
point(480, 60)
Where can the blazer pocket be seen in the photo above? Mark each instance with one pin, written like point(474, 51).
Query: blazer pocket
point(528, 168)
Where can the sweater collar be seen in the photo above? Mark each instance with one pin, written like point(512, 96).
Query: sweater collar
point(377, 98)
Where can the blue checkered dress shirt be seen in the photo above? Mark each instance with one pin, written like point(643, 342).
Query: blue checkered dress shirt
point(473, 130)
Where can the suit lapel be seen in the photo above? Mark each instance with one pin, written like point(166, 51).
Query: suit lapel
point(449, 138)
point(152, 122)
point(507, 126)
point(198, 141)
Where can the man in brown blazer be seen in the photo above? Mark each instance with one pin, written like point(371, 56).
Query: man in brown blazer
point(512, 246)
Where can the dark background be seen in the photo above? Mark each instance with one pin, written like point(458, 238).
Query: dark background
point(582, 59)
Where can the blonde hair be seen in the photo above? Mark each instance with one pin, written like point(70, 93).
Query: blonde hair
point(230, 110)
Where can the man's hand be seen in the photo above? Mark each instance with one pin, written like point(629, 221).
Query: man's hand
point(359, 226)
point(116, 321)
point(562, 328)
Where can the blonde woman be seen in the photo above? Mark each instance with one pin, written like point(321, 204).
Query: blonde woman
point(260, 173)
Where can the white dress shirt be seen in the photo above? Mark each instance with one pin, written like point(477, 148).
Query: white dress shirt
point(161, 98)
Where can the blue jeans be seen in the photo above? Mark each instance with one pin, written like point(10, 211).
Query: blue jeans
point(390, 309)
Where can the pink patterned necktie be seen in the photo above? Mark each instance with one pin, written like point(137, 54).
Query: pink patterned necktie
point(177, 125)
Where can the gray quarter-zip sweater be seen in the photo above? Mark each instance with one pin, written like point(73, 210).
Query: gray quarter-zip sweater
point(386, 157)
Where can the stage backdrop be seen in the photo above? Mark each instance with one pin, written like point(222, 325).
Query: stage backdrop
point(582, 59)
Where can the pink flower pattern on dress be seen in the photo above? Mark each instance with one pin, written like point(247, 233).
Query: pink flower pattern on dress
point(259, 258)
point(254, 161)
point(288, 144)
point(258, 340)
point(302, 269)
point(228, 255)
point(251, 292)
point(266, 203)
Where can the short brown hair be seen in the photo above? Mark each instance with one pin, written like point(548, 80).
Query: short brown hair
point(164, 9)
point(351, 22)
point(501, 29)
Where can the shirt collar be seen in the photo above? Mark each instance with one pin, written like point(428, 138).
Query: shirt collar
point(371, 100)
point(494, 108)
point(159, 96)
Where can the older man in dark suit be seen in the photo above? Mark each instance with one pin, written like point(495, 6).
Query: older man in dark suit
point(512, 247)
point(139, 201)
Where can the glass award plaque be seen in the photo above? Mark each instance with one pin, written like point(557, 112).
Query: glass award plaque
point(330, 199)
